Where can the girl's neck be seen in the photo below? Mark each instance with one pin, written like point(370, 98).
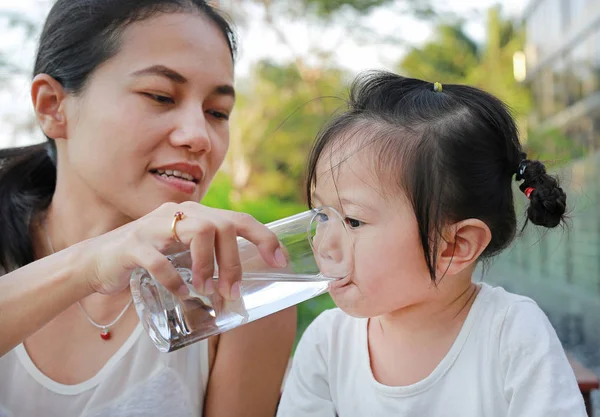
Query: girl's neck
point(445, 311)
point(407, 345)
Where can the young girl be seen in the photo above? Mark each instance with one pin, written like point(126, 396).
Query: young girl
point(422, 174)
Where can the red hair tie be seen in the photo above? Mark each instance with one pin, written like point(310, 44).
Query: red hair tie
point(528, 191)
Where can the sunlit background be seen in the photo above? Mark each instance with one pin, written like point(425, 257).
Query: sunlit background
point(296, 56)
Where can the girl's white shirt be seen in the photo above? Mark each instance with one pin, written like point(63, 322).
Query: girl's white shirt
point(507, 361)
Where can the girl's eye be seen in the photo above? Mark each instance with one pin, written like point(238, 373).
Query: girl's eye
point(160, 99)
point(353, 223)
point(321, 217)
point(219, 115)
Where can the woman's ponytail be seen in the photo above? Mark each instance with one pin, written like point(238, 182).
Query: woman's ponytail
point(27, 183)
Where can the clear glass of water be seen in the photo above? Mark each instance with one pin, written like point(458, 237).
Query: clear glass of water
point(318, 249)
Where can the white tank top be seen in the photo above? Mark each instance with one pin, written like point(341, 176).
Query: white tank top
point(138, 380)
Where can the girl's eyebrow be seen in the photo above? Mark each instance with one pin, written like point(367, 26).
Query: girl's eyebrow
point(345, 201)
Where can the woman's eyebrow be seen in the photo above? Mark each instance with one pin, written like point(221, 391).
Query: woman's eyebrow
point(162, 71)
point(166, 72)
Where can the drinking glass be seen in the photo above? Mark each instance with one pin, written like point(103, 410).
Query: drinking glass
point(318, 250)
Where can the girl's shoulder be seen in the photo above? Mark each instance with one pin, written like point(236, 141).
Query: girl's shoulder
point(517, 321)
point(333, 327)
point(335, 320)
point(502, 303)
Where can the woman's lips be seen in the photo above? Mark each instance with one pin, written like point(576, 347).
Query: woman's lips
point(179, 184)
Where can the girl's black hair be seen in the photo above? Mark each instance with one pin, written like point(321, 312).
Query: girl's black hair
point(77, 37)
point(453, 153)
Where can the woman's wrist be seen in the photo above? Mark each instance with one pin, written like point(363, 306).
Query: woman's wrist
point(77, 271)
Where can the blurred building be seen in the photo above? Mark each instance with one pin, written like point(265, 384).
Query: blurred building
point(562, 62)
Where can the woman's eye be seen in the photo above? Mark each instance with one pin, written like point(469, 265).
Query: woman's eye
point(160, 99)
point(218, 114)
point(353, 223)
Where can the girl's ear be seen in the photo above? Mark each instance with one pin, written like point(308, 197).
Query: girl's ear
point(461, 246)
point(48, 98)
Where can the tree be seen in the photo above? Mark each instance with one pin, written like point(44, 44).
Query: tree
point(278, 117)
point(494, 73)
point(453, 57)
point(23, 23)
point(448, 58)
point(19, 124)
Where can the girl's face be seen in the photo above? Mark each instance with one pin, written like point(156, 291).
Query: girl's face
point(390, 271)
point(151, 125)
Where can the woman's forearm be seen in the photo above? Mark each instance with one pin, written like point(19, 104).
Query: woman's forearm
point(33, 295)
point(249, 368)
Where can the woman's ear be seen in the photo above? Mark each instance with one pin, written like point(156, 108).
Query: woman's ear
point(48, 97)
point(462, 244)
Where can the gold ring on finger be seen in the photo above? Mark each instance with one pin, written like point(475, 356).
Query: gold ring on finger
point(176, 217)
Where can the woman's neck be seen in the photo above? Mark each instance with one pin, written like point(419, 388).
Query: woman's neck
point(76, 213)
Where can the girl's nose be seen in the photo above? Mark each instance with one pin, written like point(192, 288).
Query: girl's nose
point(332, 245)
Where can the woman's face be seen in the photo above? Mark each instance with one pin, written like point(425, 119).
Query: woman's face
point(151, 125)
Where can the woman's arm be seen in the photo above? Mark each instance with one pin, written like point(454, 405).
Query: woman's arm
point(33, 295)
point(249, 367)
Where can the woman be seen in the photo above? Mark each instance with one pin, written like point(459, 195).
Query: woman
point(134, 97)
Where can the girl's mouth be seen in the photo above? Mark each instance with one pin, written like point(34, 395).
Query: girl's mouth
point(340, 283)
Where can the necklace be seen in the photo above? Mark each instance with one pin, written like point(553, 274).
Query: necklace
point(105, 329)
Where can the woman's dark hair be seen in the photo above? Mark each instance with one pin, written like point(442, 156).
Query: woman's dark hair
point(77, 37)
point(453, 153)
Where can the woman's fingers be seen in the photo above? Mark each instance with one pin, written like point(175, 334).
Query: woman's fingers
point(228, 259)
point(203, 259)
point(265, 240)
point(212, 235)
point(158, 265)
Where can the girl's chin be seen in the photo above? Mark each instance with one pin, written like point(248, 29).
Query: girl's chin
point(348, 299)
point(341, 295)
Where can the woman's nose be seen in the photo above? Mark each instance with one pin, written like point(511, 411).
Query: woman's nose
point(192, 133)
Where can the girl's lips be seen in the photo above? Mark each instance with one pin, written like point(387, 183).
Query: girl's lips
point(181, 185)
point(337, 284)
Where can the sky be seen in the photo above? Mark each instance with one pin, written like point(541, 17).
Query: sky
point(255, 44)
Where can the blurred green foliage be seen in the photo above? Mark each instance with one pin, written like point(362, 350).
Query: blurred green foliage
point(554, 147)
point(265, 209)
point(281, 109)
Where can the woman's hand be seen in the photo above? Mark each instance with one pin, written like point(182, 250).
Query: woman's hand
point(208, 232)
